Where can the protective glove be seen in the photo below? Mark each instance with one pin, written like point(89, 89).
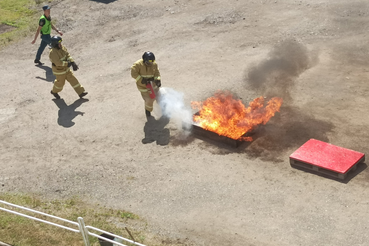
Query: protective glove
point(69, 64)
point(150, 80)
point(144, 81)
point(158, 83)
point(75, 66)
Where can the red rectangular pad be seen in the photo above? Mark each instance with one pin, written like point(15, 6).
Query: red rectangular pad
point(327, 156)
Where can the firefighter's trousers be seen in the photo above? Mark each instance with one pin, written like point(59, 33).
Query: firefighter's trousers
point(149, 102)
point(69, 76)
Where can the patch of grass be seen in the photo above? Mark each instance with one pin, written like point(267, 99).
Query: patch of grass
point(21, 14)
point(20, 231)
point(14, 11)
point(128, 215)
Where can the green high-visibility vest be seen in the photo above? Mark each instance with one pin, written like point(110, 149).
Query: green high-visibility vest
point(46, 29)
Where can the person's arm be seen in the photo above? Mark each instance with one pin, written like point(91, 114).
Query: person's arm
point(56, 29)
point(71, 61)
point(67, 55)
point(135, 73)
point(157, 74)
point(36, 35)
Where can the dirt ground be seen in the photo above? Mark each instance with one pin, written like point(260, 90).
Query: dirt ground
point(313, 54)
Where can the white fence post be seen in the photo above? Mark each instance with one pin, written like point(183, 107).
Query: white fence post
point(83, 230)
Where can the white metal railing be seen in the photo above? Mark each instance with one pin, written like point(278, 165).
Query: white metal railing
point(82, 228)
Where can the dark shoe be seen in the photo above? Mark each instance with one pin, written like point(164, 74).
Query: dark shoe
point(83, 94)
point(38, 62)
point(56, 95)
point(148, 113)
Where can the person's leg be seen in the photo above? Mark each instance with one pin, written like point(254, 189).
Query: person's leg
point(74, 83)
point(58, 83)
point(149, 102)
point(45, 40)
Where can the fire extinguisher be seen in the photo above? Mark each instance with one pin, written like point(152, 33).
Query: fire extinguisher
point(150, 87)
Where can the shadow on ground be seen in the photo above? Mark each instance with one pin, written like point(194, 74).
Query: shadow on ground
point(104, 1)
point(67, 113)
point(155, 131)
point(49, 76)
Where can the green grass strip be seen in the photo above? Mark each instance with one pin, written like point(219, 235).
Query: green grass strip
point(22, 15)
point(21, 231)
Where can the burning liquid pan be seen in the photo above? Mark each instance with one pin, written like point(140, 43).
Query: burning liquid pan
point(206, 134)
point(225, 119)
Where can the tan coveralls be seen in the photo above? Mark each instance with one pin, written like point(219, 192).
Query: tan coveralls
point(138, 71)
point(59, 59)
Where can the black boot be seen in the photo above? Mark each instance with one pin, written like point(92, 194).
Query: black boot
point(148, 113)
point(56, 95)
point(83, 94)
point(38, 62)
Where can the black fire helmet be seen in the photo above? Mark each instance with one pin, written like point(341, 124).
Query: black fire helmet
point(148, 56)
point(55, 41)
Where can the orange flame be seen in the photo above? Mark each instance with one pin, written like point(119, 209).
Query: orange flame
point(228, 117)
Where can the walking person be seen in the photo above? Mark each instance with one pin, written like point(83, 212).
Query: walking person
point(61, 63)
point(146, 73)
point(44, 28)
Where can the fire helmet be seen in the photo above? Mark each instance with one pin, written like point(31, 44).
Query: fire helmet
point(55, 41)
point(148, 56)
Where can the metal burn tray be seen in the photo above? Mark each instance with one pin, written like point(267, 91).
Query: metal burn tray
point(206, 134)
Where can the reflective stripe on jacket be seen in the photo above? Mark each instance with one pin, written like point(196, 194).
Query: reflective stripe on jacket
point(59, 59)
point(139, 70)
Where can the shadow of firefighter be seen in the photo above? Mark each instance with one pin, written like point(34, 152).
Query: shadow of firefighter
point(155, 131)
point(67, 113)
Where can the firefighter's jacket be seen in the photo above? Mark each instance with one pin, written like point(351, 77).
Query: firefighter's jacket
point(59, 59)
point(139, 70)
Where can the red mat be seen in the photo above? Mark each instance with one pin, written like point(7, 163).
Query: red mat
point(327, 156)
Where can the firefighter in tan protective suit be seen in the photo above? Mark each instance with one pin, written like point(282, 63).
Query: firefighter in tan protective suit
point(146, 73)
point(61, 63)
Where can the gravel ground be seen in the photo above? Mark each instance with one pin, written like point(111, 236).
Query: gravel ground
point(313, 54)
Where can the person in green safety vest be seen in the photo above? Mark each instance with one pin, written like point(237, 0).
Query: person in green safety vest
point(44, 27)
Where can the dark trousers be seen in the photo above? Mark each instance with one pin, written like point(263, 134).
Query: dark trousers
point(45, 40)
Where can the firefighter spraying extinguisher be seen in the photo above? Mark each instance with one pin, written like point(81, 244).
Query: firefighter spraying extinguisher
point(146, 73)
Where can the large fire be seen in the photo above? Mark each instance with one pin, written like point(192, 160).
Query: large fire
point(228, 117)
